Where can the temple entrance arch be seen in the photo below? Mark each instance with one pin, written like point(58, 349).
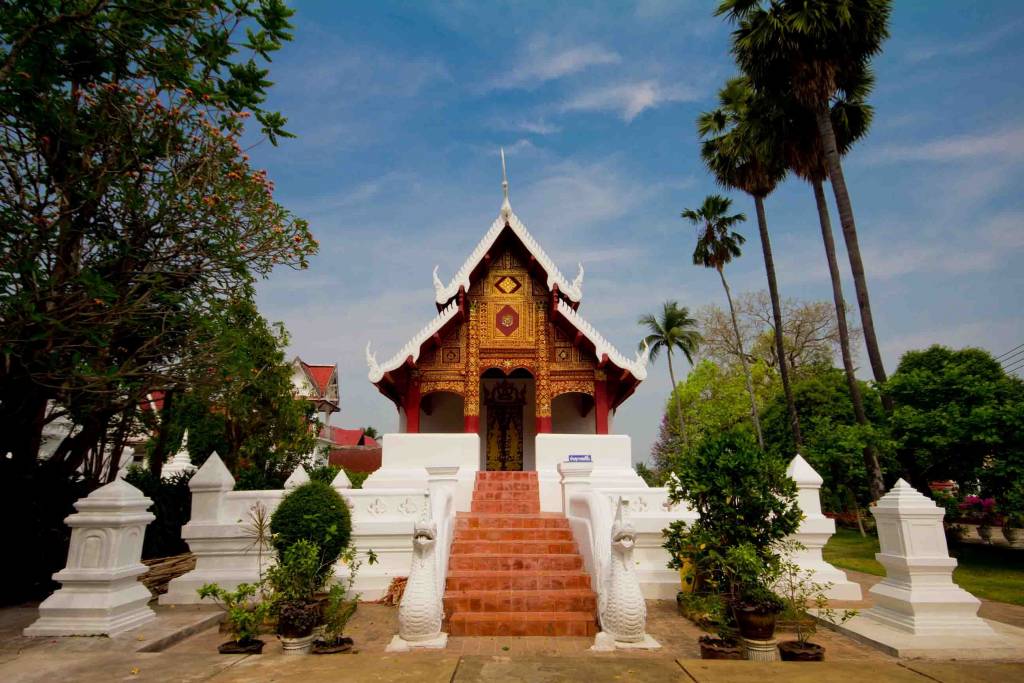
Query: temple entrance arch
point(507, 419)
point(441, 413)
point(573, 413)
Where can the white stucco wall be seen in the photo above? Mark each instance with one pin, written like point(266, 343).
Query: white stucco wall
point(565, 415)
point(445, 415)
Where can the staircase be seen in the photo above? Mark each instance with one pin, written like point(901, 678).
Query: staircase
point(514, 570)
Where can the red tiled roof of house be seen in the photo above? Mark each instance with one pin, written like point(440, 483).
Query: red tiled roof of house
point(346, 437)
point(320, 374)
point(370, 442)
point(154, 401)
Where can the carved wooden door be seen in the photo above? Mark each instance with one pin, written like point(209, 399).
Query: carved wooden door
point(505, 403)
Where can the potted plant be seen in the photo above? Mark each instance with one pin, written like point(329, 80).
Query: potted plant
point(750, 574)
point(245, 613)
point(982, 512)
point(294, 581)
point(339, 606)
point(746, 505)
point(798, 591)
point(1013, 528)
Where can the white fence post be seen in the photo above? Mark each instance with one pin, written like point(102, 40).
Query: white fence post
point(814, 532)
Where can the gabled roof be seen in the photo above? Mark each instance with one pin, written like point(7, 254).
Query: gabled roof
point(345, 437)
point(603, 349)
point(320, 375)
point(572, 290)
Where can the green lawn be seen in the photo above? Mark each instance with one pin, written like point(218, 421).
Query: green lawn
point(990, 572)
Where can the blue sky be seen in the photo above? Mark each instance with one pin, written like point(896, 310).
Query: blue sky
point(400, 109)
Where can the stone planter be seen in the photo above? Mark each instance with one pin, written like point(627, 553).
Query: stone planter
point(795, 651)
point(297, 646)
point(716, 648)
point(1014, 536)
point(252, 647)
point(985, 532)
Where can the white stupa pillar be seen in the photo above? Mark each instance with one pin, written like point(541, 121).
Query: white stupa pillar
point(918, 595)
point(575, 479)
point(180, 463)
point(100, 593)
point(297, 478)
point(814, 532)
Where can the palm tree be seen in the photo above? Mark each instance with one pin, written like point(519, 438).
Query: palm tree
point(717, 245)
point(850, 119)
point(814, 50)
point(742, 147)
point(674, 330)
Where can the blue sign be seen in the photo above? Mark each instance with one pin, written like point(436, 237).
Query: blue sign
point(580, 458)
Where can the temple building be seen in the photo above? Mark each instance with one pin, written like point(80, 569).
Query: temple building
point(508, 356)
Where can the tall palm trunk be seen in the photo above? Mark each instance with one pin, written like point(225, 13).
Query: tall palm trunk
point(743, 361)
point(876, 484)
point(679, 403)
point(773, 292)
point(860, 283)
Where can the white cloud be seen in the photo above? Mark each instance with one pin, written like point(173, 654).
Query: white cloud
point(534, 126)
point(974, 45)
point(1001, 144)
point(543, 60)
point(629, 100)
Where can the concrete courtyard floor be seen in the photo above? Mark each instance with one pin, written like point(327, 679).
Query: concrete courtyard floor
point(195, 657)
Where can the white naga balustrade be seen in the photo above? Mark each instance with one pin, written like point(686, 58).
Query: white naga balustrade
point(621, 606)
point(100, 593)
point(814, 532)
point(220, 531)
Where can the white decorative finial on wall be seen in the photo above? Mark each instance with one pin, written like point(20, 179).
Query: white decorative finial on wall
point(577, 283)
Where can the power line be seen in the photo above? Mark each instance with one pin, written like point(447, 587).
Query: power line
point(1010, 371)
point(1019, 346)
point(1011, 359)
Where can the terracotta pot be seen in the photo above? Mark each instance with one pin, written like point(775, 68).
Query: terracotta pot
point(795, 651)
point(985, 532)
point(756, 623)
point(322, 647)
point(252, 647)
point(716, 648)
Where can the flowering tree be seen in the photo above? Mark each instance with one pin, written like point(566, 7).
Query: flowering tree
point(129, 206)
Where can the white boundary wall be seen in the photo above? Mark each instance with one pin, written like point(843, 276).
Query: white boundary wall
point(610, 455)
point(382, 520)
point(405, 457)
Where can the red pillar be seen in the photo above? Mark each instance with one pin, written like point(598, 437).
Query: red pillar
point(471, 424)
point(411, 404)
point(543, 424)
point(601, 407)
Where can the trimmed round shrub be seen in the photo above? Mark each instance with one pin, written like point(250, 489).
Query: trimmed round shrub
point(314, 512)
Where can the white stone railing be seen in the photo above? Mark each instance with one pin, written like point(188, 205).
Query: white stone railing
point(219, 536)
point(591, 513)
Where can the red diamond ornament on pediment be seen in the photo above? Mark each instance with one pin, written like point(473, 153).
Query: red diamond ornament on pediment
point(507, 320)
point(506, 284)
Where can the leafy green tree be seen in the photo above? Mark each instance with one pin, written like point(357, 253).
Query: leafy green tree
point(743, 498)
point(129, 204)
point(833, 436)
point(674, 330)
point(743, 148)
point(714, 398)
point(953, 411)
point(717, 245)
point(816, 50)
point(244, 406)
point(371, 432)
